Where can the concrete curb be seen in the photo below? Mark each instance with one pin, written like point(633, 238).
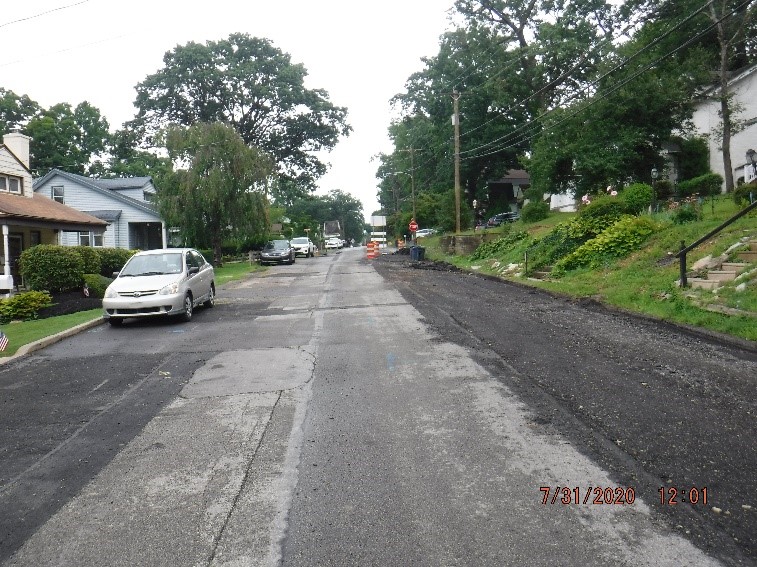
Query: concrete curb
point(52, 339)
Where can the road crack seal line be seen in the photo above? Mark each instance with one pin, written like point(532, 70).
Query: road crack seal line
point(247, 473)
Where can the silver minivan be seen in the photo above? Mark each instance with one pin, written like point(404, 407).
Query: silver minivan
point(166, 281)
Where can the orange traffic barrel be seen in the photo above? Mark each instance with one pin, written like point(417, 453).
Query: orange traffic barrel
point(372, 250)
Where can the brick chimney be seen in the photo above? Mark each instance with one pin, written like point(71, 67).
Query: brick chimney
point(18, 143)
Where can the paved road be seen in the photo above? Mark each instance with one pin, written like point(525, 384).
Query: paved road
point(318, 416)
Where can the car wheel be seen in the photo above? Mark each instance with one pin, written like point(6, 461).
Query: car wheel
point(188, 307)
point(115, 321)
point(211, 301)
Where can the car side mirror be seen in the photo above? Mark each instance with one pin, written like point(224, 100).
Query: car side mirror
point(193, 270)
point(115, 274)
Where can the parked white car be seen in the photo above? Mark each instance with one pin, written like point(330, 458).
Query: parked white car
point(424, 232)
point(334, 243)
point(303, 246)
point(167, 281)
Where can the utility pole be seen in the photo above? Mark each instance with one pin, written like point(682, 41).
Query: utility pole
point(456, 121)
point(412, 176)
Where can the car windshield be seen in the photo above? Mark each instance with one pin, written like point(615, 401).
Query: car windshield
point(153, 264)
point(277, 245)
point(299, 240)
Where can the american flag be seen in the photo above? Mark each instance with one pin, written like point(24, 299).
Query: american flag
point(3, 341)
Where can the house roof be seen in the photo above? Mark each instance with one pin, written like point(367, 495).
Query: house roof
point(515, 176)
point(735, 77)
point(106, 215)
point(41, 211)
point(107, 187)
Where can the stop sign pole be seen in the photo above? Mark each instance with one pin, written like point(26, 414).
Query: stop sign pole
point(413, 226)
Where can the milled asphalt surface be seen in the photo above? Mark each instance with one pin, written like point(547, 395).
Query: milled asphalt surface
point(329, 415)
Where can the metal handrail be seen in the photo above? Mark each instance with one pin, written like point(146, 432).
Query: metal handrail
point(686, 249)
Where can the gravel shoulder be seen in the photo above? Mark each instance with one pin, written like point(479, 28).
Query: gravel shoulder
point(658, 406)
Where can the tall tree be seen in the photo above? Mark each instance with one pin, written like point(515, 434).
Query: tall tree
point(15, 110)
point(218, 190)
point(254, 87)
point(67, 138)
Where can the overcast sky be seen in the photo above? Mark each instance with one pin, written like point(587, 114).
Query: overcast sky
point(360, 52)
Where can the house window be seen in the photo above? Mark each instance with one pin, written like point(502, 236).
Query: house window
point(56, 192)
point(9, 183)
point(94, 238)
point(35, 237)
point(148, 197)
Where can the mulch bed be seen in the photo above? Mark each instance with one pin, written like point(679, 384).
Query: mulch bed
point(69, 302)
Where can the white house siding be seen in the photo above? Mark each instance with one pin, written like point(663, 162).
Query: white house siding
point(86, 199)
point(706, 121)
point(10, 166)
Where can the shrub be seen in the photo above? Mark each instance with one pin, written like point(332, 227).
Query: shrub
point(112, 260)
point(499, 246)
point(559, 242)
point(96, 284)
point(704, 185)
point(601, 213)
point(24, 306)
point(534, 211)
point(741, 194)
point(637, 198)
point(686, 211)
point(663, 188)
point(622, 238)
point(52, 268)
point(91, 258)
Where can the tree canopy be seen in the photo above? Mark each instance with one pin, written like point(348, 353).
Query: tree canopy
point(217, 192)
point(581, 93)
point(254, 87)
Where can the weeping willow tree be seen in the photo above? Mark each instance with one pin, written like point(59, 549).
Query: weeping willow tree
point(218, 190)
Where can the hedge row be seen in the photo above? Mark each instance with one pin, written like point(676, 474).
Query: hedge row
point(60, 268)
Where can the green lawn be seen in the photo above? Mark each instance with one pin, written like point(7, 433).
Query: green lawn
point(21, 333)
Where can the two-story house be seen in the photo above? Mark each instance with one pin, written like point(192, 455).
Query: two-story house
point(126, 204)
point(707, 122)
point(27, 221)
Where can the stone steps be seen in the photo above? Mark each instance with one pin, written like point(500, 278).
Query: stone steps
point(726, 271)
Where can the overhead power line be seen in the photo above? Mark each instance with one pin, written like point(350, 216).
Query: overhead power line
point(43, 13)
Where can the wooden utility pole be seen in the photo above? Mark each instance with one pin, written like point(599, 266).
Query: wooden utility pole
point(456, 121)
point(412, 176)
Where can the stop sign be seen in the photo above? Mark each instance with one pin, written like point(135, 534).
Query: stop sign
point(413, 226)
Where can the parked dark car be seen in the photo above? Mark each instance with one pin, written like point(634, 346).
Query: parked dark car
point(278, 252)
point(497, 220)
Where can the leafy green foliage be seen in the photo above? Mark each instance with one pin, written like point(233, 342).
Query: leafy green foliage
point(592, 219)
point(90, 259)
point(636, 198)
point(704, 185)
point(688, 210)
point(52, 268)
point(221, 196)
point(619, 240)
point(113, 259)
point(23, 306)
point(15, 110)
point(741, 195)
point(499, 246)
point(255, 88)
point(534, 211)
point(67, 138)
point(96, 284)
